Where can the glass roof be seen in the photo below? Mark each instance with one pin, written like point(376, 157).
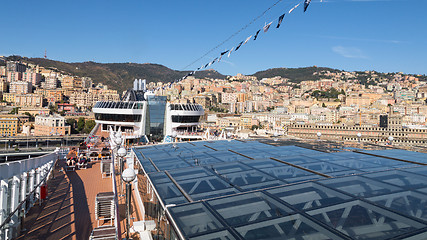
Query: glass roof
point(251, 190)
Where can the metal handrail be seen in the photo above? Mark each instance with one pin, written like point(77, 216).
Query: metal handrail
point(9, 217)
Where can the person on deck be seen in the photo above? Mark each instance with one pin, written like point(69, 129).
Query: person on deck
point(72, 156)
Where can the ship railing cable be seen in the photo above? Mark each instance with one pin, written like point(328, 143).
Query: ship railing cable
point(28, 199)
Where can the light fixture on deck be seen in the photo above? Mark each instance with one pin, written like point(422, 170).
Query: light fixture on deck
point(128, 176)
point(121, 153)
point(391, 138)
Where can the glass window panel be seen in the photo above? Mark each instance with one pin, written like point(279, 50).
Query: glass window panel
point(361, 220)
point(266, 163)
point(202, 185)
point(222, 235)
point(226, 168)
point(286, 172)
point(292, 227)
point(307, 196)
point(214, 194)
point(408, 202)
point(360, 186)
point(386, 162)
point(356, 164)
point(189, 173)
point(417, 170)
point(297, 160)
point(194, 219)
point(323, 167)
point(246, 208)
point(400, 178)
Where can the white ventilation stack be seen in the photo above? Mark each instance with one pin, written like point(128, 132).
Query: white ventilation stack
point(135, 85)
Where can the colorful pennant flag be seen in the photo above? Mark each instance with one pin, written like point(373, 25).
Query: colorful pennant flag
point(266, 27)
point(306, 3)
point(280, 20)
point(247, 39)
point(256, 34)
point(294, 7)
point(240, 44)
point(230, 52)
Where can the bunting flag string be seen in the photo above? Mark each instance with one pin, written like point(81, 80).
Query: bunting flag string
point(228, 52)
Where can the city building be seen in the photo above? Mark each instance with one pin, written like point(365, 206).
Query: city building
point(48, 125)
point(66, 107)
point(20, 87)
point(29, 100)
point(32, 77)
point(13, 66)
point(3, 85)
point(9, 125)
point(373, 134)
point(33, 110)
point(70, 82)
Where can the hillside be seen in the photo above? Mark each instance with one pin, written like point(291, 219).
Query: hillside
point(118, 76)
point(295, 75)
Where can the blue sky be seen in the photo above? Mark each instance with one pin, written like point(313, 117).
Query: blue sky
point(382, 35)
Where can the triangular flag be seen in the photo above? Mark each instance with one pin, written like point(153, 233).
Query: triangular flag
point(247, 39)
point(294, 7)
point(240, 44)
point(306, 3)
point(230, 52)
point(280, 20)
point(256, 34)
point(266, 27)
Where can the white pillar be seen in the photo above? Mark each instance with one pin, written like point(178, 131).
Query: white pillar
point(38, 178)
point(3, 202)
point(31, 182)
point(14, 199)
point(23, 186)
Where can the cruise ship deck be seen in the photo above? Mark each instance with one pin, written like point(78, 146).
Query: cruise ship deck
point(230, 189)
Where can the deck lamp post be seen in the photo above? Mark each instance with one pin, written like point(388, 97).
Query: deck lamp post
point(319, 134)
point(391, 138)
point(174, 134)
point(121, 153)
point(359, 135)
point(128, 176)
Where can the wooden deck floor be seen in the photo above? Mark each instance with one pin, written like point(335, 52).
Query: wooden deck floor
point(69, 211)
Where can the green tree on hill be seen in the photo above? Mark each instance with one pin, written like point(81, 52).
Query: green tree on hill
point(80, 124)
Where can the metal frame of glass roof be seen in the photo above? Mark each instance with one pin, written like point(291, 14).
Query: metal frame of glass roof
point(251, 190)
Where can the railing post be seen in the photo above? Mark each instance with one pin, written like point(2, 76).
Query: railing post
point(23, 186)
point(3, 205)
point(38, 177)
point(31, 182)
point(14, 201)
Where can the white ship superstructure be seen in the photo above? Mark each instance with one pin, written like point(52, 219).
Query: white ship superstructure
point(141, 115)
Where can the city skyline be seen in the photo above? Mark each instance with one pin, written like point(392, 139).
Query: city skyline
point(384, 36)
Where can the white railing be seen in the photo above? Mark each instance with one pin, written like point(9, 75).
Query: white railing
point(20, 187)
